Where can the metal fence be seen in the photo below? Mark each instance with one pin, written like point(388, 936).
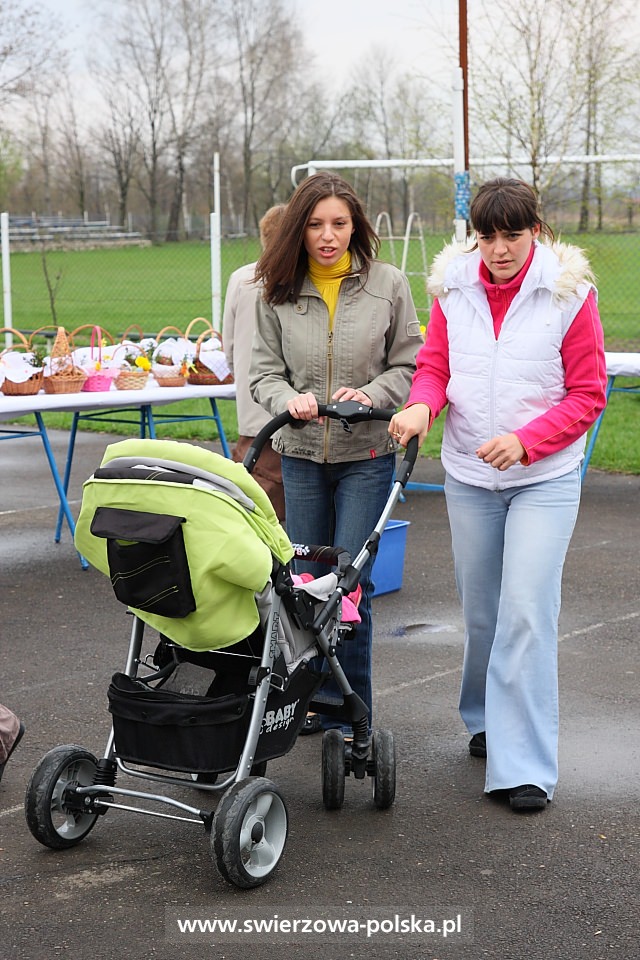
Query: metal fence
point(72, 273)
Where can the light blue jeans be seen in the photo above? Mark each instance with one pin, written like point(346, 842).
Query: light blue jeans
point(509, 548)
point(339, 504)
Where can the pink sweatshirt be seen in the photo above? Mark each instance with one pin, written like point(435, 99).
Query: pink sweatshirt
point(582, 354)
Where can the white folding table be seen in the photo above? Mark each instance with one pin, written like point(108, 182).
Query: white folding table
point(110, 406)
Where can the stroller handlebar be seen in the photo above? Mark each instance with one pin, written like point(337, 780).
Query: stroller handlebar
point(347, 412)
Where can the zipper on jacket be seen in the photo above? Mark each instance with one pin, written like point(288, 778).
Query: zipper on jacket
point(325, 455)
point(492, 406)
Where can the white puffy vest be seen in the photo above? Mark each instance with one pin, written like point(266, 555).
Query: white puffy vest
point(499, 385)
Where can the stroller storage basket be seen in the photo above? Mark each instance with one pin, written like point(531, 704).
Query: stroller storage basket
point(190, 734)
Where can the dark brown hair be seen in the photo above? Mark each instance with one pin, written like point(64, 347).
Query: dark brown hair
point(506, 205)
point(283, 265)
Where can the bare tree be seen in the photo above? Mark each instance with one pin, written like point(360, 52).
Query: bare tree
point(38, 140)
point(28, 40)
point(119, 135)
point(143, 41)
point(391, 115)
point(602, 59)
point(184, 82)
point(73, 149)
point(269, 59)
point(527, 96)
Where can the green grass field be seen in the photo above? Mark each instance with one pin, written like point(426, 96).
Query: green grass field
point(156, 286)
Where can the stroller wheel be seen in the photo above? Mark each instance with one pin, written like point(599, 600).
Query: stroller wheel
point(249, 832)
point(383, 750)
point(333, 769)
point(52, 815)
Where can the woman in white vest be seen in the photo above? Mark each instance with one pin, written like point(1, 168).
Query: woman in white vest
point(515, 351)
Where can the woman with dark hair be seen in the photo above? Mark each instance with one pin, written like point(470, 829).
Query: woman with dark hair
point(333, 324)
point(515, 351)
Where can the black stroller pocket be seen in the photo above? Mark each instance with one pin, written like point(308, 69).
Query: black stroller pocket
point(147, 560)
point(176, 731)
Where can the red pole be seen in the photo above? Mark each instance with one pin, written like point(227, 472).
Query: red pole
point(463, 33)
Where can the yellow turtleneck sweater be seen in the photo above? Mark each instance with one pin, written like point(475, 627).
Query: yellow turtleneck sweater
point(327, 280)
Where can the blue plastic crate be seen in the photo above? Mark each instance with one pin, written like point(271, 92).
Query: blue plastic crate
point(388, 566)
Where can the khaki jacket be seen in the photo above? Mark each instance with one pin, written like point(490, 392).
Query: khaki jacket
point(372, 347)
point(238, 321)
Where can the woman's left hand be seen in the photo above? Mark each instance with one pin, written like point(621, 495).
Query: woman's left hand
point(502, 452)
point(348, 393)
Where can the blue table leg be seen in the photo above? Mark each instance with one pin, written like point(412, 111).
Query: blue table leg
point(64, 503)
point(67, 473)
point(221, 433)
point(147, 422)
point(594, 433)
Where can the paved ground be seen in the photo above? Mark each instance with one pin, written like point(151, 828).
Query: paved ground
point(560, 884)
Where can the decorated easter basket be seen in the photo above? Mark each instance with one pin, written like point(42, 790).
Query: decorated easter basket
point(165, 372)
point(200, 373)
point(135, 365)
point(20, 388)
point(132, 379)
point(99, 375)
point(62, 375)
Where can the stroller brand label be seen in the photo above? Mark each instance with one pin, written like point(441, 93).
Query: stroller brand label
point(279, 719)
point(273, 647)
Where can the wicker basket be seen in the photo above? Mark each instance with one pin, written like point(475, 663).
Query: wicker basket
point(99, 381)
point(27, 388)
point(65, 383)
point(200, 375)
point(65, 376)
point(171, 378)
point(132, 379)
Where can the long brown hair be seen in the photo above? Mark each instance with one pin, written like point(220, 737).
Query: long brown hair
point(507, 205)
point(283, 265)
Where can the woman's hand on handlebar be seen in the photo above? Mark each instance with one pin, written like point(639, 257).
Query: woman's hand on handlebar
point(348, 393)
point(303, 407)
point(411, 422)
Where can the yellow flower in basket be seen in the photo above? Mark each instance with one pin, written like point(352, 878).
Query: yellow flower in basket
point(143, 362)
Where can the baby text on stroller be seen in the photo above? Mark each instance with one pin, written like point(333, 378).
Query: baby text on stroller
point(279, 719)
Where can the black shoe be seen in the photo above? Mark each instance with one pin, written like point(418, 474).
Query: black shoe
point(312, 724)
point(478, 745)
point(15, 744)
point(527, 797)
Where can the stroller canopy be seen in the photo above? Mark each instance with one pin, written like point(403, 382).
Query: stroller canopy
point(230, 531)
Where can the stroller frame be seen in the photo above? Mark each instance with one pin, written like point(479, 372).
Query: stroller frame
point(70, 788)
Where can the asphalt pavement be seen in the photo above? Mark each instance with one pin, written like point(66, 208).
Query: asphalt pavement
point(445, 859)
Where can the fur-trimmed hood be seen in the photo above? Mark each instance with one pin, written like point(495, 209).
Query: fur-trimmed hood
point(563, 268)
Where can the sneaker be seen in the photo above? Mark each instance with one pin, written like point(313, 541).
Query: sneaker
point(478, 745)
point(527, 797)
point(15, 744)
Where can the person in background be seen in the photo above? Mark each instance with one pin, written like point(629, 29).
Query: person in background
point(11, 733)
point(333, 323)
point(515, 350)
point(238, 323)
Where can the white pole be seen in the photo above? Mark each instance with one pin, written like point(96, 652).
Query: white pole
point(461, 176)
point(6, 277)
point(216, 251)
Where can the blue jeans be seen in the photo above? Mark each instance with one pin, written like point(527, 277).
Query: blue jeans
point(509, 548)
point(339, 504)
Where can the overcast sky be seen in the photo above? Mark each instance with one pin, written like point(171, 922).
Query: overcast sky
point(340, 32)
